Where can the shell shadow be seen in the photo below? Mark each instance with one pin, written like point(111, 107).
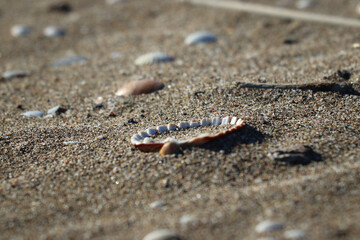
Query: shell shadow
point(246, 135)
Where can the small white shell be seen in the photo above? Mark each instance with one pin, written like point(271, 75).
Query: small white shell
point(154, 57)
point(144, 134)
point(20, 30)
point(268, 226)
point(194, 124)
point(33, 114)
point(225, 120)
point(233, 120)
point(200, 37)
point(162, 234)
point(14, 74)
point(151, 131)
point(171, 127)
point(184, 125)
point(161, 129)
point(53, 31)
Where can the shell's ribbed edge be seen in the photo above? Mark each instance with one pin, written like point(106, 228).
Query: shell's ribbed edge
point(151, 146)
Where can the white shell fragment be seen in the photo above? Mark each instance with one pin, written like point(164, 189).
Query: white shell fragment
point(33, 114)
point(294, 234)
point(200, 37)
point(14, 74)
point(52, 31)
point(268, 226)
point(154, 57)
point(145, 143)
point(304, 4)
point(162, 234)
point(20, 30)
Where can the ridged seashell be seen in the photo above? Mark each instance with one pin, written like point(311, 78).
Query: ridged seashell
point(140, 87)
point(200, 37)
point(14, 74)
point(52, 31)
point(170, 148)
point(225, 120)
point(150, 145)
point(33, 114)
point(151, 131)
point(233, 120)
point(20, 30)
point(154, 57)
point(70, 61)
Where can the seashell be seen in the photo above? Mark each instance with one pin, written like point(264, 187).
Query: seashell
point(225, 120)
point(162, 234)
point(56, 110)
point(161, 129)
point(151, 131)
point(233, 120)
point(149, 145)
point(33, 114)
point(52, 31)
point(184, 125)
point(140, 87)
point(171, 127)
point(154, 57)
point(170, 148)
point(20, 30)
point(70, 61)
point(268, 226)
point(14, 74)
point(200, 37)
point(194, 124)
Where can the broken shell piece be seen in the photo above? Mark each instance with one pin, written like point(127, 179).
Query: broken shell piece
point(171, 127)
point(184, 125)
point(150, 145)
point(225, 120)
point(140, 87)
point(154, 57)
point(200, 37)
point(53, 31)
point(233, 120)
point(170, 148)
point(161, 129)
point(194, 124)
point(20, 30)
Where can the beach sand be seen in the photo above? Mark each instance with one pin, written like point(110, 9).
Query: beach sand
point(59, 179)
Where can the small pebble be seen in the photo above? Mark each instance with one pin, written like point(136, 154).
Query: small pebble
point(187, 220)
point(200, 37)
point(268, 226)
point(298, 154)
point(140, 87)
point(294, 234)
point(56, 110)
point(70, 61)
point(53, 31)
point(154, 57)
point(14, 74)
point(157, 204)
point(33, 114)
point(60, 7)
point(99, 138)
point(20, 30)
point(304, 4)
point(162, 234)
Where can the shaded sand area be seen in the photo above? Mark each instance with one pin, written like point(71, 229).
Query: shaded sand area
point(76, 175)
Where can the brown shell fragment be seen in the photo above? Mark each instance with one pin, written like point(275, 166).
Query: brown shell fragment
point(140, 87)
point(170, 148)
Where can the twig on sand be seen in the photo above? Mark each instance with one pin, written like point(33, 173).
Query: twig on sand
point(342, 88)
point(278, 12)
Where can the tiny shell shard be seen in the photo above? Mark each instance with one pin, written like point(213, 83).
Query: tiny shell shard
point(20, 30)
point(200, 37)
point(154, 57)
point(140, 87)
